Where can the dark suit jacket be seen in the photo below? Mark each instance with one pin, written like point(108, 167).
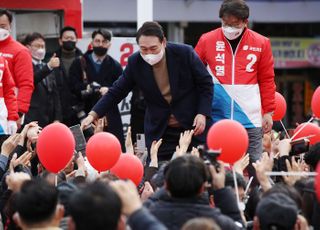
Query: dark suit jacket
point(45, 104)
point(190, 84)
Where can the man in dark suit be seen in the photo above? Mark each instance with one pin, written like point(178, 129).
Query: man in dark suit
point(176, 86)
point(45, 104)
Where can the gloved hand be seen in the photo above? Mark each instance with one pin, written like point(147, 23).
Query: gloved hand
point(12, 127)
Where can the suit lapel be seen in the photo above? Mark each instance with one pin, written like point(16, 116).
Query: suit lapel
point(38, 67)
point(150, 81)
point(173, 65)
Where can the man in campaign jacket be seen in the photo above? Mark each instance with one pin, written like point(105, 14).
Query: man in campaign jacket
point(19, 62)
point(241, 63)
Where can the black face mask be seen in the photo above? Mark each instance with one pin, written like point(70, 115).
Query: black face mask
point(100, 51)
point(69, 45)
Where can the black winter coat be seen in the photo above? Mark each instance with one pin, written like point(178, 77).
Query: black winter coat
point(174, 212)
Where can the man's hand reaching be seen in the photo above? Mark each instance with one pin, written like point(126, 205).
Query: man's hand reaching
point(199, 124)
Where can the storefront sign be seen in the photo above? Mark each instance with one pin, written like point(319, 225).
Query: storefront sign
point(295, 52)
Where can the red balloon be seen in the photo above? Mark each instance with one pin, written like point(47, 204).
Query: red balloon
point(55, 147)
point(308, 130)
point(229, 136)
point(315, 102)
point(317, 182)
point(281, 107)
point(103, 151)
point(129, 167)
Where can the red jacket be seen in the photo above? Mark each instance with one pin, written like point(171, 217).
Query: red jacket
point(8, 100)
point(244, 81)
point(20, 65)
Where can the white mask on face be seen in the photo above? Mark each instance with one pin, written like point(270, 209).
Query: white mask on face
point(38, 54)
point(4, 34)
point(153, 59)
point(231, 32)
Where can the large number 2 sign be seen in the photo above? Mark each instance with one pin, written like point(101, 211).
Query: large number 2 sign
point(252, 58)
point(126, 50)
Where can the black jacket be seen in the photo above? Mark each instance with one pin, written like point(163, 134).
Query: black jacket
point(67, 98)
point(110, 71)
point(143, 220)
point(174, 212)
point(45, 104)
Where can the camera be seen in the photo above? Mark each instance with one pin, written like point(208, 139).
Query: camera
point(91, 89)
point(299, 146)
point(81, 115)
point(210, 156)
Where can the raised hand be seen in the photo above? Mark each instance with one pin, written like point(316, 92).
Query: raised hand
point(262, 166)
point(54, 61)
point(24, 160)
point(185, 140)
point(154, 153)
point(128, 143)
point(218, 177)
point(241, 164)
point(10, 144)
point(129, 196)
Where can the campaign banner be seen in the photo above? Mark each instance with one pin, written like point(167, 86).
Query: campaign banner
point(295, 52)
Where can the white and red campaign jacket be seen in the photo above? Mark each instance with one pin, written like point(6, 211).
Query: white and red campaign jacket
point(8, 100)
point(244, 86)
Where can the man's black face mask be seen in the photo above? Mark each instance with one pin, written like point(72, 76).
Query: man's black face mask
point(100, 50)
point(69, 45)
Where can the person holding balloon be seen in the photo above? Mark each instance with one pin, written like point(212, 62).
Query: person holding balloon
point(241, 63)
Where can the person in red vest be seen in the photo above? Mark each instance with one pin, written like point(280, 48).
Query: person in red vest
point(19, 62)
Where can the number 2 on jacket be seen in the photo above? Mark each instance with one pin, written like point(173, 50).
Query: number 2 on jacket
point(252, 58)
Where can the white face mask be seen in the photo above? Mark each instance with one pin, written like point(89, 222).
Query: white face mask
point(231, 32)
point(153, 59)
point(4, 34)
point(38, 54)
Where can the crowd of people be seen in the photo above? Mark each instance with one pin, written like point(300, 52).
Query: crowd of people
point(229, 75)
